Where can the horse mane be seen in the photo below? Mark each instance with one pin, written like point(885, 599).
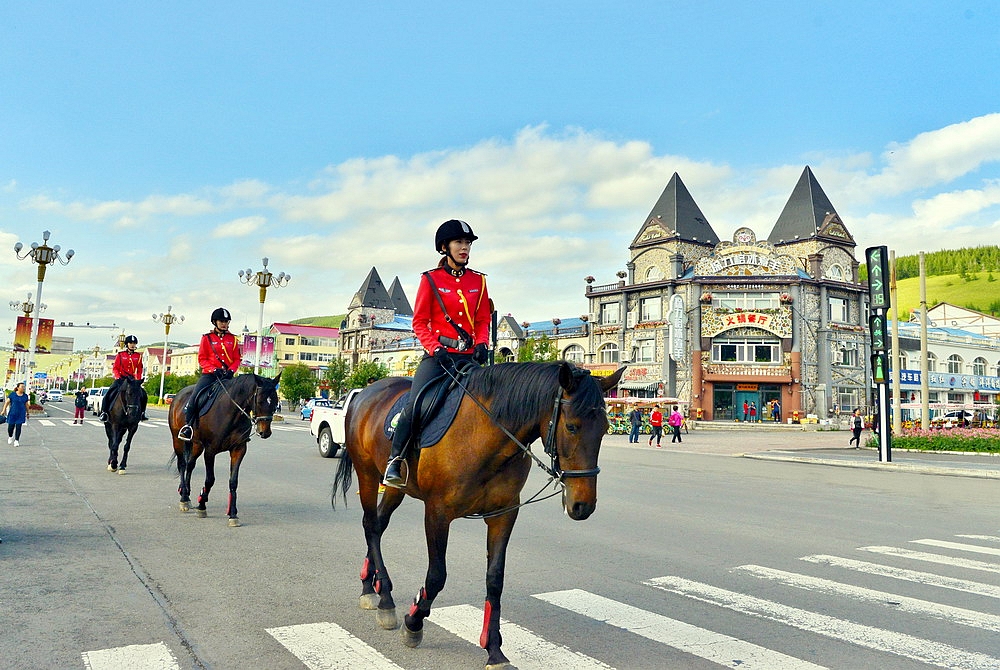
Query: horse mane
point(519, 393)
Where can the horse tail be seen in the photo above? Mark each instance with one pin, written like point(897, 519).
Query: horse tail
point(342, 479)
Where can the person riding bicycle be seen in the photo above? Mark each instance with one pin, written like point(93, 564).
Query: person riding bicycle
point(451, 318)
point(128, 365)
point(219, 358)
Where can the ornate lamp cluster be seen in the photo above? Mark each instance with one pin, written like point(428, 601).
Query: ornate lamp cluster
point(166, 319)
point(263, 280)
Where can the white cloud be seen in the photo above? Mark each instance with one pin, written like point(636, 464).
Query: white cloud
point(241, 227)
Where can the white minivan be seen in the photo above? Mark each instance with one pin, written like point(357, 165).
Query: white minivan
point(95, 397)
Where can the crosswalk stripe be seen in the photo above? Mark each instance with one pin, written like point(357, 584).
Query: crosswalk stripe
point(47, 422)
point(898, 644)
point(934, 558)
point(327, 646)
point(974, 548)
point(133, 657)
point(984, 538)
point(928, 578)
point(900, 603)
point(525, 650)
point(722, 649)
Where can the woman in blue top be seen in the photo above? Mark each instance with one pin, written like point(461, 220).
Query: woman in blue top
point(15, 407)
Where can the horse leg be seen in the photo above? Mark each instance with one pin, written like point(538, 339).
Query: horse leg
point(436, 527)
point(128, 445)
point(235, 458)
point(376, 585)
point(113, 439)
point(497, 536)
point(202, 510)
point(185, 489)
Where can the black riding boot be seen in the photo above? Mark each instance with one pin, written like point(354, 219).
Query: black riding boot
point(400, 437)
point(186, 431)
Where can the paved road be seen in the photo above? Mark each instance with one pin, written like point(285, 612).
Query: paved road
point(694, 559)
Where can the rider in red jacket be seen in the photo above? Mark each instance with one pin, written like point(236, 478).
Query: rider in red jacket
point(451, 318)
point(127, 365)
point(219, 357)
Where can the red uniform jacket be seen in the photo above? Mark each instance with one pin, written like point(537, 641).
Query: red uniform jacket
point(127, 364)
point(466, 300)
point(218, 353)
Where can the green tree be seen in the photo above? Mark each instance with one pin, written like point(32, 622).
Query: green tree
point(364, 371)
point(537, 350)
point(171, 384)
point(297, 383)
point(336, 376)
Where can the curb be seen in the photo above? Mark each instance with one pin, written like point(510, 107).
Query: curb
point(874, 465)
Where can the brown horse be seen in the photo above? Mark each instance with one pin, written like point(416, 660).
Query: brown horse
point(244, 404)
point(477, 470)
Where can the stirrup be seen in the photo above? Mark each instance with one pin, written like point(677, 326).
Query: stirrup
point(143, 417)
point(103, 417)
point(186, 433)
point(394, 479)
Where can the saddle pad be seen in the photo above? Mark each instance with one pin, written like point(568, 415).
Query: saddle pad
point(432, 431)
point(208, 397)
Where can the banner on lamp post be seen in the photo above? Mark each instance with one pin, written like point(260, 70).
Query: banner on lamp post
point(249, 357)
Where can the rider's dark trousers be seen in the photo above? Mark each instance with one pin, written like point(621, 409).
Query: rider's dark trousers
point(427, 370)
point(191, 408)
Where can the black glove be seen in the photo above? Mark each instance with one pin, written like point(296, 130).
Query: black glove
point(443, 358)
point(480, 354)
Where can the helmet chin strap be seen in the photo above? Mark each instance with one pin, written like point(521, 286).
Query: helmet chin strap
point(455, 263)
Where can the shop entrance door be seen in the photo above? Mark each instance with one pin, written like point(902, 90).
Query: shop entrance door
point(747, 397)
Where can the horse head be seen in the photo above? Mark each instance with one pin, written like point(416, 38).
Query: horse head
point(579, 422)
point(131, 398)
point(265, 404)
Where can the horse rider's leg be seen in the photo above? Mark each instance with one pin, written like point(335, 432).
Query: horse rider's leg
point(235, 458)
point(436, 527)
point(400, 436)
point(497, 536)
point(209, 482)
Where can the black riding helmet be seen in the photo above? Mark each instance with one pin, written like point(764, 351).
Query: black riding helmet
point(221, 314)
point(132, 338)
point(452, 230)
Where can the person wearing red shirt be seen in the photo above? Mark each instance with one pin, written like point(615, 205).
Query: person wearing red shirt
point(656, 422)
point(219, 358)
point(451, 318)
point(127, 365)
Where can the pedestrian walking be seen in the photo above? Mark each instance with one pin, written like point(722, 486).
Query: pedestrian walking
point(656, 426)
point(675, 421)
point(857, 425)
point(15, 408)
point(635, 421)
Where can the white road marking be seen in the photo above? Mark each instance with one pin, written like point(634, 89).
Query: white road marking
point(895, 602)
point(930, 579)
point(722, 649)
point(934, 558)
point(47, 422)
point(327, 646)
point(992, 551)
point(525, 650)
point(134, 657)
point(984, 538)
point(897, 644)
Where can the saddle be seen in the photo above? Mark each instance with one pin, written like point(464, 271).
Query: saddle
point(207, 397)
point(435, 409)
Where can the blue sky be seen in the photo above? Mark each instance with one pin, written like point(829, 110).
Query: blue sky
point(173, 144)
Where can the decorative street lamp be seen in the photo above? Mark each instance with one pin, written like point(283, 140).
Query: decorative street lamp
point(166, 320)
point(263, 280)
point(43, 255)
point(26, 306)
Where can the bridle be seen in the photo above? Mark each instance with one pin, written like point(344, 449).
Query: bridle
point(254, 419)
point(553, 452)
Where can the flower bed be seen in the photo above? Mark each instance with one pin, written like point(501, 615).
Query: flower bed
point(957, 439)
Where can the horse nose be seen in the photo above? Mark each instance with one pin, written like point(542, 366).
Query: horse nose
point(580, 511)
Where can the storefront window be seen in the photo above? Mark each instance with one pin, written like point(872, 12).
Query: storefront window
point(848, 398)
point(746, 351)
point(956, 398)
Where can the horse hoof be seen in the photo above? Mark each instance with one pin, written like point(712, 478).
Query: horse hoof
point(369, 601)
point(184, 507)
point(121, 471)
point(387, 619)
point(234, 522)
point(411, 638)
point(111, 468)
point(500, 666)
point(202, 513)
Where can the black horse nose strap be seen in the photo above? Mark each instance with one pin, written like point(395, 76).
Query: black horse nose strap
point(550, 445)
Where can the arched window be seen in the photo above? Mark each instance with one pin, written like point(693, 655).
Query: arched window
point(573, 353)
point(609, 353)
point(835, 272)
point(654, 273)
point(955, 364)
point(931, 362)
point(979, 366)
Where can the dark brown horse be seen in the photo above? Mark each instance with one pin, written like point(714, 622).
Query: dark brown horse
point(477, 469)
point(124, 414)
point(244, 404)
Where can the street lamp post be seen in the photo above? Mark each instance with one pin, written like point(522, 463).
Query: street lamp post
point(27, 307)
point(43, 255)
point(166, 320)
point(263, 280)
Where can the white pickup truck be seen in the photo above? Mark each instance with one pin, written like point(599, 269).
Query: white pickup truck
point(327, 425)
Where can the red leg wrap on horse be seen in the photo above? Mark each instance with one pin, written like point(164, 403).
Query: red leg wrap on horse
point(365, 569)
point(484, 637)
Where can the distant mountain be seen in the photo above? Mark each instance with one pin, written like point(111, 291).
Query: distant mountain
point(325, 321)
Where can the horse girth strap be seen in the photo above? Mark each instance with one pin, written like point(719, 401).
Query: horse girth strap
point(553, 452)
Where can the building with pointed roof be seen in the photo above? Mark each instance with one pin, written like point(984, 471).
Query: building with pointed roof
point(377, 319)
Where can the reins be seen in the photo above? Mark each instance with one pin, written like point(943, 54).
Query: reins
point(251, 402)
point(549, 444)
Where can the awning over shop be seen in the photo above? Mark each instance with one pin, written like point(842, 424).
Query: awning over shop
point(639, 386)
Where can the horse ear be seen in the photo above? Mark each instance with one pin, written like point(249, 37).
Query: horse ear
point(608, 383)
point(566, 378)
point(277, 378)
